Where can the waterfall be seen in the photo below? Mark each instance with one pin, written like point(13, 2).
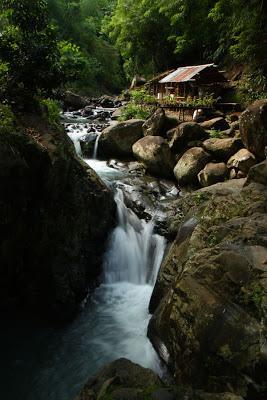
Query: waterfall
point(96, 147)
point(135, 253)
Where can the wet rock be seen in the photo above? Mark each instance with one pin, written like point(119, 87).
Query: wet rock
point(190, 164)
point(154, 126)
point(56, 215)
point(212, 173)
point(87, 145)
point(117, 140)
point(106, 101)
point(253, 128)
point(74, 101)
point(121, 378)
point(87, 111)
point(222, 149)
point(218, 124)
point(185, 133)
point(242, 160)
point(155, 153)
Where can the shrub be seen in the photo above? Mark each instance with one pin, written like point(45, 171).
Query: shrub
point(7, 119)
point(52, 111)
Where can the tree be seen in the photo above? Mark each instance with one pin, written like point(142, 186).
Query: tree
point(29, 56)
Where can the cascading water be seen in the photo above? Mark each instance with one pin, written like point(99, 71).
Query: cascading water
point(54, 364)
point(134, 253)
point(96, 147)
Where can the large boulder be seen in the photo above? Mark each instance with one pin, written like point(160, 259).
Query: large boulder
point(74, 101)
point(218, 124)
point(55, 217)
point(242, 160)
point(222, 149)
point(117, 140)
point(210, 320)
point(155, 153)
point(190, 164)
point(124, 380)
point(213, 173)
point(185, 133)
point(253, 128)
point(258, 173)
point(154, 126)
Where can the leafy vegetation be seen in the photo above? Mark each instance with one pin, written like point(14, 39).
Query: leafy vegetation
point(90, 63)
point(141, 105)
point(29, 57)
point(214, 133)
point(154, 36)
point(52, 111)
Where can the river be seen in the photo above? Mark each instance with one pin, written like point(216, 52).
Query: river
point(48, 363)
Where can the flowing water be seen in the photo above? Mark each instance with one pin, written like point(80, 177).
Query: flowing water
point(41, 363)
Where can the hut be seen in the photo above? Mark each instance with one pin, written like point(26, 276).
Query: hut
point(194, 81)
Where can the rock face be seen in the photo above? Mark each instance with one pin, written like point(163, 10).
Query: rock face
point(211, 293)
point(124, 380)
point(55, 217)
point(253, 128)
point(154, 126)
point(155, 153)
point(212, 173)
point(117, 140)
point(185, 133)
point(218, 124)
point(222, 149)
point(242, 160)
point(190, 164)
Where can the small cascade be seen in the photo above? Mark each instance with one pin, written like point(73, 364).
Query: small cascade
point(96, 147)
point(135, 253)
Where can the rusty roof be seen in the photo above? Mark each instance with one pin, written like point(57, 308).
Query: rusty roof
point(185, 74)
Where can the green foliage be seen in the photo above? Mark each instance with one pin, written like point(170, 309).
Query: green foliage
point(214, 133)
point(29, 58)
point(90, 63)
point(141, 96)
point(7, 119)
point(141, 105)
point(157, 35)
point(52, 111)
point(252, 87)
point(137, 111)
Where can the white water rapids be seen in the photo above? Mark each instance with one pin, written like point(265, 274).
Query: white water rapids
point(54, 363)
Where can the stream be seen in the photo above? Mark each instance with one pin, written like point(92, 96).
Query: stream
point(48, 363)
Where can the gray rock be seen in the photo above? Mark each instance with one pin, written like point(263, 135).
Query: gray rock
point(222, 149)
point(155, 153)
point(242, 160)
point(117, 140)
point(218, 124)
point(258, 173)
point(190, 164)
point(212, 173)
point(154, 126)
point(253, 128)
point(185, 133)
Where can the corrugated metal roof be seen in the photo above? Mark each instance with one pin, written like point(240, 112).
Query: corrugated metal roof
point(184, 74)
